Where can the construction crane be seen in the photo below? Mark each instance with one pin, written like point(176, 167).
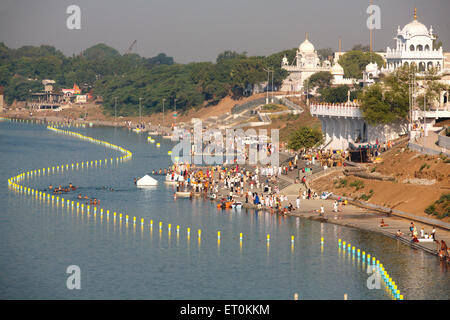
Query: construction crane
point(131, 47)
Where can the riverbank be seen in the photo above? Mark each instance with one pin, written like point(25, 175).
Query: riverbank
point(351, 216)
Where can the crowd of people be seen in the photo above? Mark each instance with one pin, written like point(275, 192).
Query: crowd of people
point(60, 189)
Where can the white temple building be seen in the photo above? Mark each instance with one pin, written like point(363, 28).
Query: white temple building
point(371, 74)
point(305, 64)
point(414, 45)
point(343, 124)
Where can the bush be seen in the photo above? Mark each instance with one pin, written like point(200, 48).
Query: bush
point(431, 210)
point(422, 167)
point(305, 137)
point(342, 183)
point(366, 197)
point(357, 184)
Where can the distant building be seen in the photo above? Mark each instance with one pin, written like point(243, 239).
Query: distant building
point(343, 125)
point(305, 64)
point(71, 92)
point(414, 45)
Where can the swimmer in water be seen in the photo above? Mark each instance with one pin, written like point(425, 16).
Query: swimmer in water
point(79, 196)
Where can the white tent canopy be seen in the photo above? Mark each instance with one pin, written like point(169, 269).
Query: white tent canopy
point(146, 181)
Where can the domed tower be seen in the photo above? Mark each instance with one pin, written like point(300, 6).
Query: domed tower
point(414, 45)
point(307, 55)
point(337, 72)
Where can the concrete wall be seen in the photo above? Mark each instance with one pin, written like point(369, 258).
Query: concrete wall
point(386, 132)
point(444, 141)
point(425, 150)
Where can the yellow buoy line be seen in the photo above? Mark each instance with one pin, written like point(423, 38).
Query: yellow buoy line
point(14, 183)
point(376, 266)
point(55, 124)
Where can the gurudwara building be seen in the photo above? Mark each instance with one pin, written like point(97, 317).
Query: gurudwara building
point(305, 64)
point(343, 125)
point(414, 45)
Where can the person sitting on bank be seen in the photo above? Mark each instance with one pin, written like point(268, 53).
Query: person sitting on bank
point(399, 233)
point(382, 224)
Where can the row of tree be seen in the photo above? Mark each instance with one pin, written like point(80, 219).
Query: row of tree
point(129, 77)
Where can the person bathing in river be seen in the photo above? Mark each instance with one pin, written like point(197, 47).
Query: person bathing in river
point(79, 196)
point(50, 187)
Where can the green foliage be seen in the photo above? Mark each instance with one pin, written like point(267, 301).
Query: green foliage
point(441, 207)
point(388, 101)
point(320, 79)
point(230, 55)
point(304, 138)
point(334, 95)
point(128, 77)
point(46, 62)
point(357, 184)
point(354, 62)
point(341, 183)
point(360, 47)
point(325, 53)
point(20, 88)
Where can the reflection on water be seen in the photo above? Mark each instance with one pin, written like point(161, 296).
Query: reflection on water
point(128, 260)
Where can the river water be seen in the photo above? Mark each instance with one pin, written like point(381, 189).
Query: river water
point(39, 240)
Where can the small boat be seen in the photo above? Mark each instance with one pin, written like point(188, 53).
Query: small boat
point(236, 205)
point(183, 194)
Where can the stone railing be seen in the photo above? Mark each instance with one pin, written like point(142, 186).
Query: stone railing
point(337, 110)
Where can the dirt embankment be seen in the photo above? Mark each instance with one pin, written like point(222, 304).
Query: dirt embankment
point(420, 180)
point(91, 111)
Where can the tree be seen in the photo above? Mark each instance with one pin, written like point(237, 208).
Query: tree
point(325, 53)
point(229, 55)
point(387, 101)
point(334, 95)
point(360, 47)
point(320, 79)
point(354, 62)
point(305, 137)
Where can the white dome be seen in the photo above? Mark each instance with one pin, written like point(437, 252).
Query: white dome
point(372, 67)
point(337, 69)
point(415, 28)
point(306, 47)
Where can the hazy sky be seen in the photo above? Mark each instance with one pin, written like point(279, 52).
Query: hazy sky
point(197, 30)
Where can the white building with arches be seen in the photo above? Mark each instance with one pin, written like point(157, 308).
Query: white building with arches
point(414, 45)
point(305, 64)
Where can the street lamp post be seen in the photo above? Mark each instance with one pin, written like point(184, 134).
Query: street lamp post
point(163, 110)
point(175, 105)
point(115, 109)
point(307, 92)
point(140, 114)
point(272, 85)
point(268, 83)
